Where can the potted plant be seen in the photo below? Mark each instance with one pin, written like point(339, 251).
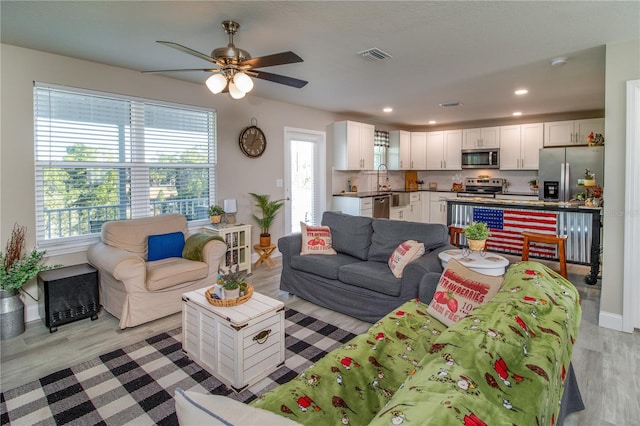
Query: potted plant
point(215, 214)
point(16, 269)
point(269, 211)
point(533, 184)
point(233, 283)
point(477, 234)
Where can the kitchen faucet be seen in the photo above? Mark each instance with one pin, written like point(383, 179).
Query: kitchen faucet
point(378, 176)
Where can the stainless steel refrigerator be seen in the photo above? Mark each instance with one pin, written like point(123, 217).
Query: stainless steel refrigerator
point(560, 169)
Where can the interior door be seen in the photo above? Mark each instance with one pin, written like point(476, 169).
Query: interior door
point(305, 177)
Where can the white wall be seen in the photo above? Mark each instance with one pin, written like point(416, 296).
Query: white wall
point(622, 64)
point(237, 174)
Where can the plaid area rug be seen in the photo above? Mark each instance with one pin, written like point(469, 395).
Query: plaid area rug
point(135, 385)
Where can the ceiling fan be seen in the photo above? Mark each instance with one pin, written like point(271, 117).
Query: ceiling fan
point(233, 66)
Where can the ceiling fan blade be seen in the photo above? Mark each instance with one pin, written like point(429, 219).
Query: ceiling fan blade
point(282, 58)
point(185, 69)
point(277, 78)
point(187, 50)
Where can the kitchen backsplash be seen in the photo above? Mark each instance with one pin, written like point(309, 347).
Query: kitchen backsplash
point(365, 181)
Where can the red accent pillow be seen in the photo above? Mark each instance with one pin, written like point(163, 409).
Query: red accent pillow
point(461, 290)
point(316, 239)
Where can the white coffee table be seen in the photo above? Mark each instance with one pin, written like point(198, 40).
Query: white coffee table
point(239, 345)
point(485, 263)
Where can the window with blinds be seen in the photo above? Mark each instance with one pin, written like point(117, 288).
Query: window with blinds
point(102, 157)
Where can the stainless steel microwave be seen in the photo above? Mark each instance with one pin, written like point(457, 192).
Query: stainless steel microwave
point(480, 158)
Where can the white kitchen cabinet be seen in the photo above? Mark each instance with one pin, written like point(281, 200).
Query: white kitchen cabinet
point(418, 150)
point(519, 145)
point(355, 206)
point(443, 150)
point(571, 132)
point(353, 145)
point(438, 206)
point(398, 213)
point(485, 137)
point(399, 151)
point(415, 208)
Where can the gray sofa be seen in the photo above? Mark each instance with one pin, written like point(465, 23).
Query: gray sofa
point(357, 281)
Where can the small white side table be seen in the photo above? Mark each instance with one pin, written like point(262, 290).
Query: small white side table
point(488, 264)
point(239, 345)
point(238, 239)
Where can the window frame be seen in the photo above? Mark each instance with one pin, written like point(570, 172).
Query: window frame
point(75, 243)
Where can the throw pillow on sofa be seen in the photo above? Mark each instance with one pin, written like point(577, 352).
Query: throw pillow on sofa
point(163, 246)
point(316, 240)
point(459, 291)
point(403, 254)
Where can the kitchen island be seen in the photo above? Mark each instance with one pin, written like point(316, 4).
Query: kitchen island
point(507, 219)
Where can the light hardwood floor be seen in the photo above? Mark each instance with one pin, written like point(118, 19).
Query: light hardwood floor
point(607, 363)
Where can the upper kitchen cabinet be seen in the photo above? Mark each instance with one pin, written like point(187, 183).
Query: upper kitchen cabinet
point(572, 132)
point(418, 150)
point(443, 150)
point(486, 137)
point(399, 152)
point(519, 145)
point(353, 145)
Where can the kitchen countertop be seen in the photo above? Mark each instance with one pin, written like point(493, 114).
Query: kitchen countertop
point(364, 194)
point(537, 204)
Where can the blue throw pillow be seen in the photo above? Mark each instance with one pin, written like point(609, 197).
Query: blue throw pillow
point(165, 245)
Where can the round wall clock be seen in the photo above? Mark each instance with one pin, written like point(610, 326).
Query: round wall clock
point(252, 142)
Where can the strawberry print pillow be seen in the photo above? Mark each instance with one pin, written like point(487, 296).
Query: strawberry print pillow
point(460, 290)
point(403, 254)
point(316, 239)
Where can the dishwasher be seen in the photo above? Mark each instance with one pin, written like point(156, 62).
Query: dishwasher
point(381, 206)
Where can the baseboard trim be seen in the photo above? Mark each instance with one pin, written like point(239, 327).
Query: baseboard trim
point(610, 320)
point(32, 313)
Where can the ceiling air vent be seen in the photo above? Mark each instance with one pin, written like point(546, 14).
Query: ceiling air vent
point(375, 54)
point(450, 104)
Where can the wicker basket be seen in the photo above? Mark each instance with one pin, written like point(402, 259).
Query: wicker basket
point(229, 302)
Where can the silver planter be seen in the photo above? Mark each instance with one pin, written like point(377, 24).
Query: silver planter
point(11, 314)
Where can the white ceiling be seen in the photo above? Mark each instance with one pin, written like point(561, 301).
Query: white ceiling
point(473, 52)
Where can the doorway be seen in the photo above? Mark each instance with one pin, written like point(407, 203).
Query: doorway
point(305, 177)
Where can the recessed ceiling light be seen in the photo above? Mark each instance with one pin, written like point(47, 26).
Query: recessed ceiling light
point(556, 62)
point(387, 109)
point(521, 92)
point(432, 122)
point(517, 114)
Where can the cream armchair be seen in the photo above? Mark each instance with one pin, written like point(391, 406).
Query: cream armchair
point(136, 290)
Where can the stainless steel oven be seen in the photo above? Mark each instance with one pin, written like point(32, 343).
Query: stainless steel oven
point(480, 158)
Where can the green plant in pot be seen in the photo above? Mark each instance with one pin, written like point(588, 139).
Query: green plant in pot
point(215, 214)
point(17, 267)
point(477, 234)
point(233, 283)
point(269, 212)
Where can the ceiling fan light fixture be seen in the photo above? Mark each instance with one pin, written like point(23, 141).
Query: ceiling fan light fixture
point(243, 82)
point(558, 62)
point(216, 83)
point(235, 92)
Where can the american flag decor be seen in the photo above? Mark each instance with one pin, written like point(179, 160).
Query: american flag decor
point(507, 225)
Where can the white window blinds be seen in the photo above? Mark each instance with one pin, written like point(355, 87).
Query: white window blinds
point(103, 157)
